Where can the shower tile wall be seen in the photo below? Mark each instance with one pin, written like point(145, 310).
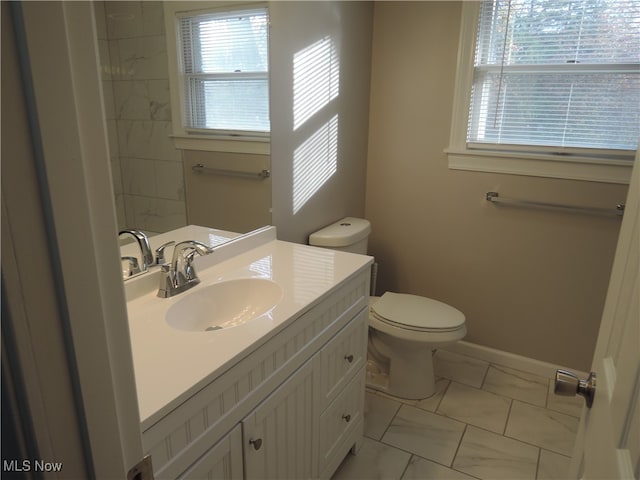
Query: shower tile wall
point(147, 169)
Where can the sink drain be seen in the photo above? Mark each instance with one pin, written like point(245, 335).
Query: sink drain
point(210, 329)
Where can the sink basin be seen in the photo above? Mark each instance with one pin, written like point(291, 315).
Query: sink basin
point(224, 305)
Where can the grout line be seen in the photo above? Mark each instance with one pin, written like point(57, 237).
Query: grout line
point(486, 374)
point(555, 453)
point(538, 462)
point(444, 392)
point(537, 446)
point(504, 430)
point(464, 432)
point(546, 398)
point(393, 417)
point(407, 465)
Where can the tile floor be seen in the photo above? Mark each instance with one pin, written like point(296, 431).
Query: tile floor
point(485, 421)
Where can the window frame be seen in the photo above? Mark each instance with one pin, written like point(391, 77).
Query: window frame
point(193, 138)
point(599, 166)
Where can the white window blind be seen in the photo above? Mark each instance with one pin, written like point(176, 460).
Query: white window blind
point(556, 73)
point(226, 71)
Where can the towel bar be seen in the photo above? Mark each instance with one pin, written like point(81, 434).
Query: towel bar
point(200, 168)
point(495, 197)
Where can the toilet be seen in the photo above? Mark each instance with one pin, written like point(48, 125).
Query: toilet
point(404, 330)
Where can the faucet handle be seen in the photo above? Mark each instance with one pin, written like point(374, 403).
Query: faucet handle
point(160, 252)
point(193, 245)
point(132, 267)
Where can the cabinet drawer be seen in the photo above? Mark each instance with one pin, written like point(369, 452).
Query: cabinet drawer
point(340, 420)
point(343, 356)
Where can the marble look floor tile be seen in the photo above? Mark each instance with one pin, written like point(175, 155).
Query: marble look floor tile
point(424, 433)
point(421, 469)
point(553, 466)
point(475, 407)
point(378, 413)
point(569, 405)
point(542, 427)
point(373, 461)
point(430, 403)
point(516, 384)
point(460, 368)
point(489, 456)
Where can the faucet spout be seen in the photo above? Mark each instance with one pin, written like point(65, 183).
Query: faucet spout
point(146, 259)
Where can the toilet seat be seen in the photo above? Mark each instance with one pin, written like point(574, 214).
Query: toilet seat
point(418, 314)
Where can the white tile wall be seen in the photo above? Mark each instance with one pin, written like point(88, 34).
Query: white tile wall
point(147, 170)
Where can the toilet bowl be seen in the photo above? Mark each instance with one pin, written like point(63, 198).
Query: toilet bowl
point(404, 329)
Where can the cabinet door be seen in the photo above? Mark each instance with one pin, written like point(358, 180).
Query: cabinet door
point(222, 462)
point(279, 435)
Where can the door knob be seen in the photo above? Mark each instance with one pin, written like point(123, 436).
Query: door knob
point(569, 385)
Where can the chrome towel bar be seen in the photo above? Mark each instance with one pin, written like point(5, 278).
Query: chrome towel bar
point(200, 168)
point(495, 197)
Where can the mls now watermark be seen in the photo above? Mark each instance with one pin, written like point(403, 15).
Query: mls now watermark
point(30, 466)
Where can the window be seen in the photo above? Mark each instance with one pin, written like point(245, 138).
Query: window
point(220, 77)
point(549, 80)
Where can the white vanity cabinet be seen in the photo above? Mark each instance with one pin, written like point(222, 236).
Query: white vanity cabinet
point(291, 408)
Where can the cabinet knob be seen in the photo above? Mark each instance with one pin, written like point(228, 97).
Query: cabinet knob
point(348, 358)
point(257, 443)
point(347, 418)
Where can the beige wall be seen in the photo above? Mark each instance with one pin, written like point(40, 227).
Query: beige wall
point(334, 138)
point(227, 202)
point(530, 282)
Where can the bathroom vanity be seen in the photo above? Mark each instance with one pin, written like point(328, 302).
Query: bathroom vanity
point(280, 394)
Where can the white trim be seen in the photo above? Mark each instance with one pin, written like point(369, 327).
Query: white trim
point(506, 359)
point(464, 74)
point(182, 139)
point(573, 168)
point(514, 163)
point(184, 142)
point(63, 54)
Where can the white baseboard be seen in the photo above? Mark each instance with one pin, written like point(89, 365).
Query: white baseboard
point(511, 360)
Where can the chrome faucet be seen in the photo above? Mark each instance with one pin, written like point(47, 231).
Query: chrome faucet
point(146, 257)
point(180, 274)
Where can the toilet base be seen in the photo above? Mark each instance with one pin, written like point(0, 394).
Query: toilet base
point(379, 381)
point(406, 375)
point(376, 378)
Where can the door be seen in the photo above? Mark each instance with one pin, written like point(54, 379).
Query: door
point(608, 441)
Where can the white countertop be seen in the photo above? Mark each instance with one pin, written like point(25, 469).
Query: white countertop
point(171, 365)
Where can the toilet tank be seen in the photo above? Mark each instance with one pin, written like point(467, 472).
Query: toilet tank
point(349, 235)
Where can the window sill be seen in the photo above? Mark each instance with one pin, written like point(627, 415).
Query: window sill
point(540, 165)
point(258, 146)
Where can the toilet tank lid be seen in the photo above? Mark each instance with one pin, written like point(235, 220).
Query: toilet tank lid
point(342, 233)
